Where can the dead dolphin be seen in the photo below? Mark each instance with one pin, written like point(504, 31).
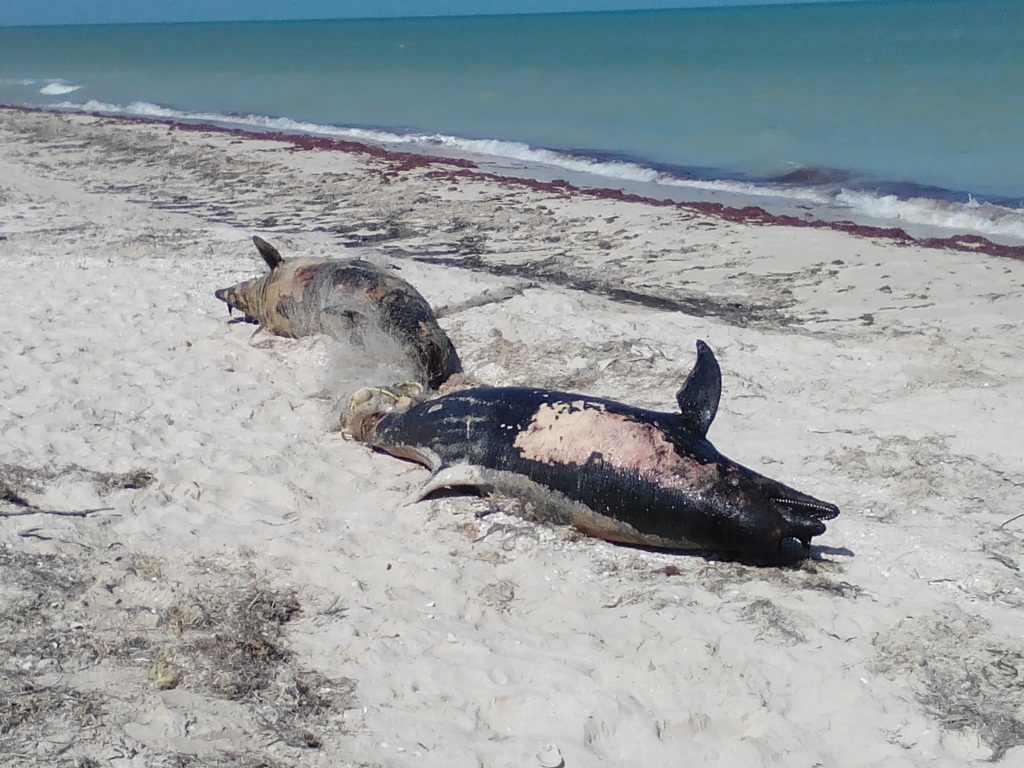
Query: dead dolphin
point(309, 295)
point(620, 473)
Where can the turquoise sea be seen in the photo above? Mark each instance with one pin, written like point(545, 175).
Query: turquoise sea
point(909, 111)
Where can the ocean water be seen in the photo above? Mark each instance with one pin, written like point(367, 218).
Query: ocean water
point(909, 112)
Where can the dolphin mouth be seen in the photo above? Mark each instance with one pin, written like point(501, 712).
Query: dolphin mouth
point(804, 519)
point(818, 510)
point(227, 296)
point(224, 295)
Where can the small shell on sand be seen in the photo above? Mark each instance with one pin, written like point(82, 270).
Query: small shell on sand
point(550, 756)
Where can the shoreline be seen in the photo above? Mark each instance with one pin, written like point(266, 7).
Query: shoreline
point(197, 566)
point(751, 214)
point(466, 162)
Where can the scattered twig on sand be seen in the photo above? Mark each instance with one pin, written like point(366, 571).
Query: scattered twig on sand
point(1007, 522)
point(16, 481)
point(964, 674)
point(30, 510)
point(489, 296)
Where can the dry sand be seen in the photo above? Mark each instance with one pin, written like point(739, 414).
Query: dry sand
point(244, 587)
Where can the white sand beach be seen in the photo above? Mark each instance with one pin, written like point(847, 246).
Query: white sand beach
point(242, 586)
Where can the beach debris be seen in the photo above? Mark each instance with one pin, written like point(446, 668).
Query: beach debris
point(613, 471)
point(350, 299)
point(19, 483)
point(962, 671)
point(550, 756)
point(489, 296)
point(214, 629)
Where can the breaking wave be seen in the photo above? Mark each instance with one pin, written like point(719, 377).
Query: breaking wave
point(58, 89)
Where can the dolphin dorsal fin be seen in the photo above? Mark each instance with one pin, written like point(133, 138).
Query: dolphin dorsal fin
point(698, 397)
point(268, 252)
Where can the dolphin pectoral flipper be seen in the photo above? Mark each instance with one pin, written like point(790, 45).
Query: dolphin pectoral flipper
point(698, 397)
point(460, 475)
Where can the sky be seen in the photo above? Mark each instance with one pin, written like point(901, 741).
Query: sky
point(46, 12)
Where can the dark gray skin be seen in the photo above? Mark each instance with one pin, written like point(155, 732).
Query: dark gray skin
point(624, 474)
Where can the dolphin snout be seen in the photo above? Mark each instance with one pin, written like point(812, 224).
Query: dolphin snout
point(234, 298)
point(223, 295)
